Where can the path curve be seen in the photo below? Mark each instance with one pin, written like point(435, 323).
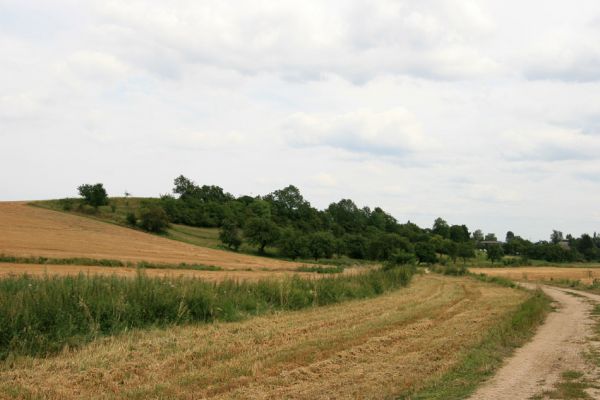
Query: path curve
point(556, 347)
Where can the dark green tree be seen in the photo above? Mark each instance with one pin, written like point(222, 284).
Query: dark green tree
point(586, 247)
point(230, 235)
point(425, 252)
point(465, 251)
point(293, 244)
point(556, 236)
point(355, 246)
point(261, 232)
point(94, 195)
point(459, 233)
point(321, 245)
point(441, 227)
point(495, 253)
point(509, 236)
point(153, 219)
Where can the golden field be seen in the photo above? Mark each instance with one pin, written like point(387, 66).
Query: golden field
point(375, 348)
point(32, 231)
point(585, 275)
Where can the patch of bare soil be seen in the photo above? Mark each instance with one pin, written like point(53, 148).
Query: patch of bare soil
point(558, 346)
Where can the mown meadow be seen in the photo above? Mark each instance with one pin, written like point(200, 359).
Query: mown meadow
point(43, 316)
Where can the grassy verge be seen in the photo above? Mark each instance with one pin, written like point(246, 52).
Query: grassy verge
point(481, 361)
point(42, 316)
point(321, 270)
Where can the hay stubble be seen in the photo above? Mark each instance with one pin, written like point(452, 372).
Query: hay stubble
point(373, 348)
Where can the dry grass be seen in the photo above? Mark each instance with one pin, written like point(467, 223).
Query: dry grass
point(585, 275)
point(8, 269)
point(33, 231)
point(374, 348)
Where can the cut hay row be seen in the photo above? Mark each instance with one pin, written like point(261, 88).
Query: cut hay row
point(376, 348)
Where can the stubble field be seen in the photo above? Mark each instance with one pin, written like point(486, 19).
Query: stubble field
point(376, 348)
point(31, 231)
point(584, 274)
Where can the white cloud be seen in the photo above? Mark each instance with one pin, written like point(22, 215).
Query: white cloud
point(472, 110)
point(550, 144)
point(394, 133)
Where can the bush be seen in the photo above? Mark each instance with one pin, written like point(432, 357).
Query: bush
point(131, 219)
point(451, 269)
point(66, 204)
point(400, 258)
point(87, 209)
point(94, 195)
point(153, 219)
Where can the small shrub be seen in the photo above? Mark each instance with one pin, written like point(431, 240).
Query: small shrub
point(87, 209)
point(154, 219)
point(66, 204)
point(131, 219)
point(93, 195)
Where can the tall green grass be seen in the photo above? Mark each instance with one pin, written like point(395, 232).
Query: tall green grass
point(42, 316)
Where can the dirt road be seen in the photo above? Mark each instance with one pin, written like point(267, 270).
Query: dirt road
point(557, 347)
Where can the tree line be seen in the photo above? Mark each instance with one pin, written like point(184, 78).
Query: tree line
point(285, 224)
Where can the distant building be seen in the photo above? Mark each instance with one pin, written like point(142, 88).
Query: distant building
point(564, 244)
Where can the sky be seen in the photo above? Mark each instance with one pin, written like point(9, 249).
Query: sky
point(482, 112)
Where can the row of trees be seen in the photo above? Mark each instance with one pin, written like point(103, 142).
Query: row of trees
point(284, 222)
point(287, 223)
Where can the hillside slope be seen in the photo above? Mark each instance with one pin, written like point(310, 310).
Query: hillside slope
point(32, 231)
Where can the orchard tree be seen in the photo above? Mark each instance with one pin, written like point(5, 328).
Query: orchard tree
point(94, 195)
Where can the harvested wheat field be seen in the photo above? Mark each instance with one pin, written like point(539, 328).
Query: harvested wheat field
point(10, 269)
point(33, 231)
point(585, 275)
point(375, 348)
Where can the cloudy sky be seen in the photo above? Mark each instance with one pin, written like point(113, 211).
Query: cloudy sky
point(483, 112)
